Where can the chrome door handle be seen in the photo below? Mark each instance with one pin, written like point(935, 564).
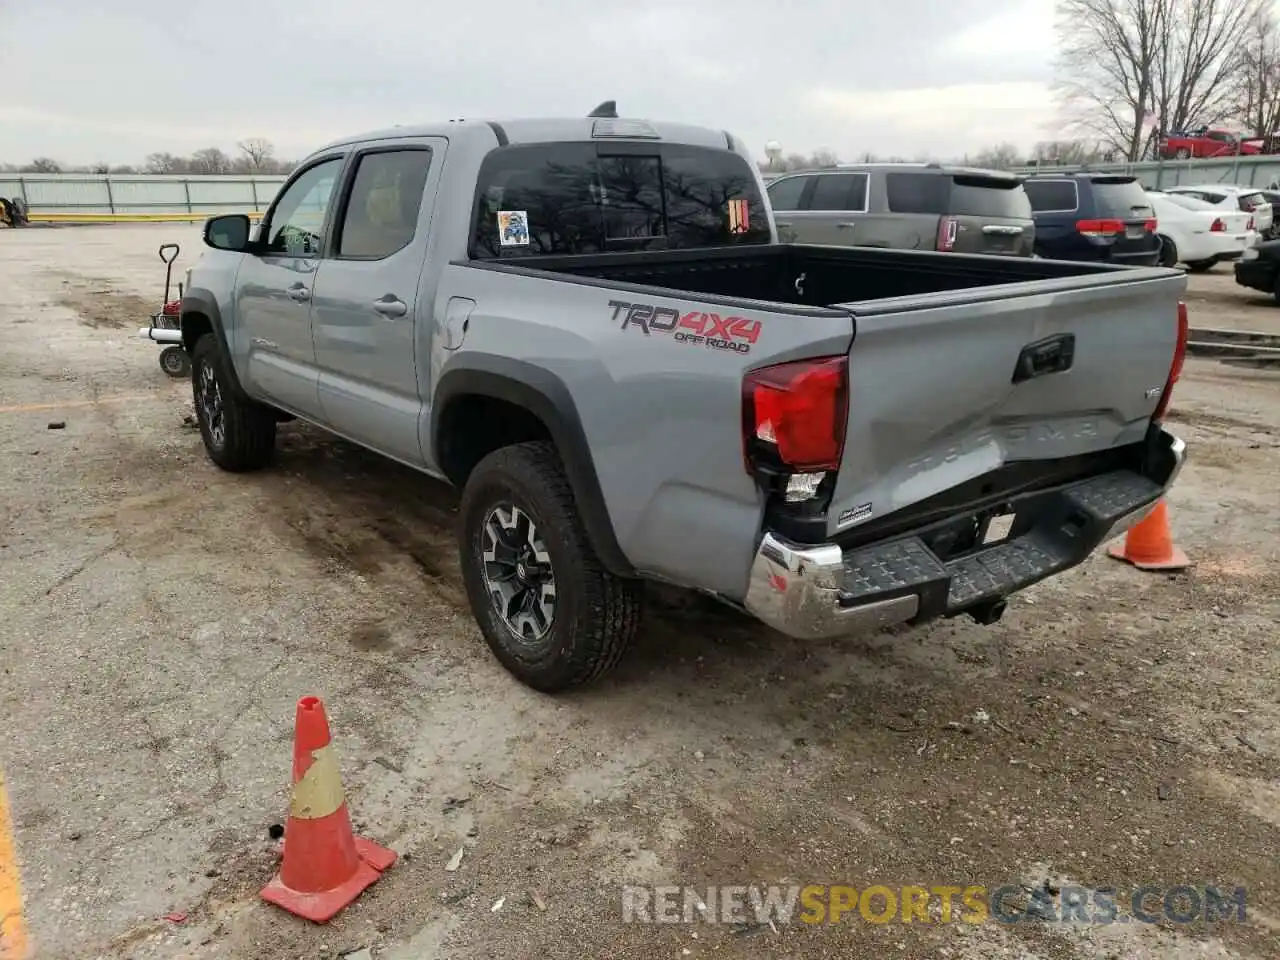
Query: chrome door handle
point(298, 293)
point(391, 307)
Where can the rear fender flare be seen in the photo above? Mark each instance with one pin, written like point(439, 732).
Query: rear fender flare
point(545, 395)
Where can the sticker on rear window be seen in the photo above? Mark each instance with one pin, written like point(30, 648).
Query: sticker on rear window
point(739, 216)
point(513, 228)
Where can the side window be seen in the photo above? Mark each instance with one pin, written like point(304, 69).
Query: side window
point(917, 192)
point(381, 213)
point(832, 192)
point(297, 222)
point(785, 194)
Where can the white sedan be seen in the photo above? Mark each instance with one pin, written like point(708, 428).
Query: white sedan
point(1229, 197)
point(1198, 233)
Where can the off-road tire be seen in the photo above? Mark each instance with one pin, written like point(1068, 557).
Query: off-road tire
point(596, 613)
point(1168, 252)
point(248, 428)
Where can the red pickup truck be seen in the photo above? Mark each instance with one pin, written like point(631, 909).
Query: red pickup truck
point(1204, 143)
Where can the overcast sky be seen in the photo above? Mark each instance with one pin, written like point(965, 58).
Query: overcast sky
point(114, 81)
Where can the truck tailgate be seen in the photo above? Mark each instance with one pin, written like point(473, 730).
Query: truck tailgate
point(945, 388)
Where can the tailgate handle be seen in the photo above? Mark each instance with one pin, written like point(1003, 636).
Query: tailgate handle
point(997, 229)
point(1051, 355)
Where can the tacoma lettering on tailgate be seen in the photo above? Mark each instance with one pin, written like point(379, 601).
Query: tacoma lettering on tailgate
point(695, 327)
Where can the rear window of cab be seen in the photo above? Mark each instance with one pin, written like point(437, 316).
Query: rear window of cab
point(577, 198)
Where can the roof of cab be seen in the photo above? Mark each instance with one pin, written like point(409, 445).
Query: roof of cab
point(538, 130)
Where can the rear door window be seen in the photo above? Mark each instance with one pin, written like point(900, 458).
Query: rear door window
point(1121, 197)
point(597, 197)
point(1052, 196)
point(839, 191)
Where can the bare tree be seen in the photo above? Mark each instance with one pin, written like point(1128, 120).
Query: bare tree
point(1002, 156)
point(162, 163)
point(258, 153)
point(210, 160)
point(1126, 64)
point(42, 165)
point(1257, 87)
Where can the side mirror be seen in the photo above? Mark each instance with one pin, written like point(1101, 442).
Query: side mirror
point(228, 232)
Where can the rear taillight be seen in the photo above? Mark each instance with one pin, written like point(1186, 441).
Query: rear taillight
point(1149, 225)
point(1175, 368)
point(947, 230)
point(1250, 225)
point(794, 415)
point(1100, 228)
point(1218, 226)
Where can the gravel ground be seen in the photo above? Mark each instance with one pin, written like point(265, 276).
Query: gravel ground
point(158, 620)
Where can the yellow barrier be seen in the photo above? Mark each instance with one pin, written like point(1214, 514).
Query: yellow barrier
point(13, 928)
point(127, 217)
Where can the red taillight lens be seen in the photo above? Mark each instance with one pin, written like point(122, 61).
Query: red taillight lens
point(1175, 368)
point(947, 230)
point(1100, 228)
point(1149, 225)
point(1218, 226)
point(799, 411)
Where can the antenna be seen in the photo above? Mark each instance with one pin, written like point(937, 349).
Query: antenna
point(608, 110)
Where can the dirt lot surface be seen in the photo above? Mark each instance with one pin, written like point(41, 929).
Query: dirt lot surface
point(159, 619)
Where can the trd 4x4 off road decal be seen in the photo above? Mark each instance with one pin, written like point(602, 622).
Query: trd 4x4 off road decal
point(695, 327)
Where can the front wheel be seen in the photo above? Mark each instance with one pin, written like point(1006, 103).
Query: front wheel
point(1200, 266)
point(547, 608)
point(239, 435)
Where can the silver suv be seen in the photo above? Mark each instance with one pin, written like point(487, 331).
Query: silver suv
point(906, 207)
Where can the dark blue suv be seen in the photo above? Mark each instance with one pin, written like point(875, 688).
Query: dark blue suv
point(1093, 216)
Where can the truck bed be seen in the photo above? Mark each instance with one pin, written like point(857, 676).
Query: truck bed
point(827, 275)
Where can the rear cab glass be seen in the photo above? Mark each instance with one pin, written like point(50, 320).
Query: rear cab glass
point(960, 195)
point(590, 197)
point(1120, 197)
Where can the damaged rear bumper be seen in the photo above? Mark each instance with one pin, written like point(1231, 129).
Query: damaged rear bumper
point(820, 591)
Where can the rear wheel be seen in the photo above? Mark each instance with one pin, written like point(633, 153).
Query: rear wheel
point(1200, 266)
point(547, 608)
point(1168, 252)
point(1183, 153)
point(239, 435)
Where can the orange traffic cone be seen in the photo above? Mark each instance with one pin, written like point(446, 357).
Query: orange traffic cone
point(325, 866)
point(1149, 545)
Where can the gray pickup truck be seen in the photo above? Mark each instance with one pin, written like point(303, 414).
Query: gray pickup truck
point(589, 327)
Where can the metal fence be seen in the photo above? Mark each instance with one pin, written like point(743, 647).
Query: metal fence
point(89, 197)
point(72, 196)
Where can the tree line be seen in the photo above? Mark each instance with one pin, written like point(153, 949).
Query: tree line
point(1001, 156)
point(253, 156)
point(1130, 71)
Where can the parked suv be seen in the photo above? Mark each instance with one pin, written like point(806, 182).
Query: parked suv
point(906, 207)
point(1093, 216)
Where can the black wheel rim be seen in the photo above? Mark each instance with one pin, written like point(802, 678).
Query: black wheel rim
point(209, 402)
point(518, 576)
point(173, 362)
